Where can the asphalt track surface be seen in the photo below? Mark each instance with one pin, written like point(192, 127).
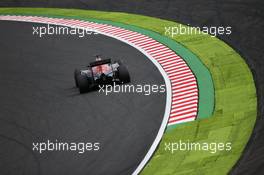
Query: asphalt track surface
point(38, 102)
point(244, 16)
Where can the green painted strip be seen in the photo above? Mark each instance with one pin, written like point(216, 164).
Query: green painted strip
point(202, 74)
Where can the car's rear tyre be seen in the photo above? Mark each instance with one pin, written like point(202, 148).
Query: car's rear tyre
point(84, 83)
point(123, 74)
point(77, 72)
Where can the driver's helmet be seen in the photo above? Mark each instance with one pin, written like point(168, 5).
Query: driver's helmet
point(98, 58)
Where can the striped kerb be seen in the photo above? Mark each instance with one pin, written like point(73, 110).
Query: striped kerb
point(184, 89)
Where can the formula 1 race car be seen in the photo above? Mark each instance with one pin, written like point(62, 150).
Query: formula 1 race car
point(101, 72)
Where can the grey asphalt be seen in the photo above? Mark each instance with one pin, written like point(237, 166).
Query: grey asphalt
point(246, 19)
point(38, 102)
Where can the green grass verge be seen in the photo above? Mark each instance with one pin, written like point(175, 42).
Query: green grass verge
point(235, 99)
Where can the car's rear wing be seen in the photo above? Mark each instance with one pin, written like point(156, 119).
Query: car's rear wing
point(101, 62)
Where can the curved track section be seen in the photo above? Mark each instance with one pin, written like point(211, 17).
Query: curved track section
point(247, 21)
point(182, 91)
point(184, 102)
point(38, 102)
